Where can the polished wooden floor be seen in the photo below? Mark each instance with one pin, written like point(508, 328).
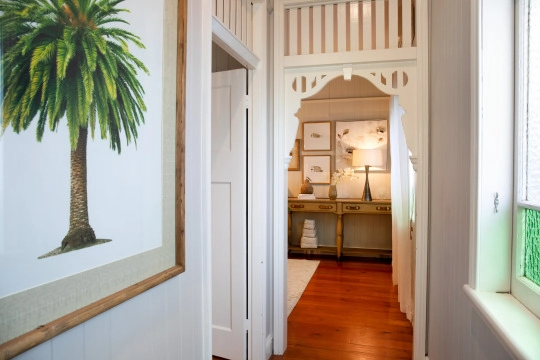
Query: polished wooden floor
point(349, 310)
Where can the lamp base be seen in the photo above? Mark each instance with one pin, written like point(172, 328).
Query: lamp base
point(367, 192)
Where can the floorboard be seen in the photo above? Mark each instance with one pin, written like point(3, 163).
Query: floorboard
point(349, 310)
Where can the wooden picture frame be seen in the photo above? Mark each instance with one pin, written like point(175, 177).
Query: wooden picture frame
point(361, 134)
point(317, 135)
point(26, 318)
point(317, 168)
point(294, 165)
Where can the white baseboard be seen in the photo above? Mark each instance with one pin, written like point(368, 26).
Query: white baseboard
point(269, 349)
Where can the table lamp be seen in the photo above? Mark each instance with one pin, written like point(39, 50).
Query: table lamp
point(367, 158)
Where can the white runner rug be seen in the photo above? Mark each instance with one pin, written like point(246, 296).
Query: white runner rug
point(299, 274)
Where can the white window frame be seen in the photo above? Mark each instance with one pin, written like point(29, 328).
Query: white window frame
point(522, 288)
point(492, 149)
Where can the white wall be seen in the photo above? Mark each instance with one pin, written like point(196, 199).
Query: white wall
point(455, 331)
point(172, 320)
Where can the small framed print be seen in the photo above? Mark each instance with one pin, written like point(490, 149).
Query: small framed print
point(317, 136)
point(317, 168)
point(295, 156)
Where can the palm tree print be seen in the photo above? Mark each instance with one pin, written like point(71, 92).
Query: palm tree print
point(65, 59)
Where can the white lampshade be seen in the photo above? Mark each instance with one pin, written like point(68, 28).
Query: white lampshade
point(371, 157)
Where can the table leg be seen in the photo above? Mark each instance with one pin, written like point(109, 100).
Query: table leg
point(339, 235)
point(289, 228)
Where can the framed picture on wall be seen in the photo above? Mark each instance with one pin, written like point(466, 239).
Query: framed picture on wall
point(317, 168)
point(295, 156)
point(361, 134)
point(317, 136)
point(128, 235)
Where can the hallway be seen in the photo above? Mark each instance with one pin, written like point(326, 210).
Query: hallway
point(348, 311)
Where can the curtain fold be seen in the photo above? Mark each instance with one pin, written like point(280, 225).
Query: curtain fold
point(402, 199)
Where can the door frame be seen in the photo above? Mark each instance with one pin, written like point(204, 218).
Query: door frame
point(258, 203)
point(283, 136)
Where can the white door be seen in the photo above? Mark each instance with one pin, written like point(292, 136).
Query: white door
point(229, 214)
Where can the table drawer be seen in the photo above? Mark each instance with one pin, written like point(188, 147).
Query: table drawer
point(322, 207)
point(367, 208)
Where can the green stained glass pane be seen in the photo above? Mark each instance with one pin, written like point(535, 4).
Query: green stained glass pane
point(532, 245)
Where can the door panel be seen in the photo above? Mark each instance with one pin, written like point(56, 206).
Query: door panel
point(229, 214)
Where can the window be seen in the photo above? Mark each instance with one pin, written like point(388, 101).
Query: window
point(526, 269)
point(501, 203)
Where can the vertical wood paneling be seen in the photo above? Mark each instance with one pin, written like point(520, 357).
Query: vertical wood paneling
point(317, 30)
point(69, 345)
point(304, 30)
point(249, 25)
point(354, 25)
point(367, 231)
point(293, 32)
point(238, 18)
point(126, 340)
point(379, 24)
point(392, 24)
point(366, 25)
point(449, 312)
point(219, 10)
point(232, 16)
point(97, 331)
point(227, 13)
point(407, 23)
point(243, 37)
point(329, 28)
point(214, 8)
point(42, 352)
point(341, 27)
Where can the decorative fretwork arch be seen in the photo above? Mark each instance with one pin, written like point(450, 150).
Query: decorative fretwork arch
point(401, 81)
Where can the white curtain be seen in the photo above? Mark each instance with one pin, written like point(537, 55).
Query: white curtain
point(402, 200)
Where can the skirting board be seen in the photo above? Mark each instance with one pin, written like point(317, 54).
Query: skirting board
point(270, 347)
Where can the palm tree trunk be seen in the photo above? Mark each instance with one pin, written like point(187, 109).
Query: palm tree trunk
point(80, 232)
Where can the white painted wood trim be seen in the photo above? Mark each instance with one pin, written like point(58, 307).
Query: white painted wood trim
point(279, 191)
point(317, 35)
point(341, 28)
point(238, 17)
point(366, 25)
point(231, 44)
point(475, 114)
point(406, 19)
point(219, 10)
point(422, 188)
point(354, 26)
point(350, 57)
point(393, 24)
point(293, 32)
point(329, 28)
point(380, 25)
point(259, 188)
point(200, 82)
point(304, 32)
point(513, 324)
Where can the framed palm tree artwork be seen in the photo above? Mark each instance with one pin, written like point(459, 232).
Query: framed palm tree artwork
point(91, 152)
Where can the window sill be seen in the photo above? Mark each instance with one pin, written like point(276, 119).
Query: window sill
point(516, 327)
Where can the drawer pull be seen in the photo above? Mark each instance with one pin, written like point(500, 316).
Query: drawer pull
point(353, 207)
point(384, 208)
point(296, 206)
point(326, 207)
